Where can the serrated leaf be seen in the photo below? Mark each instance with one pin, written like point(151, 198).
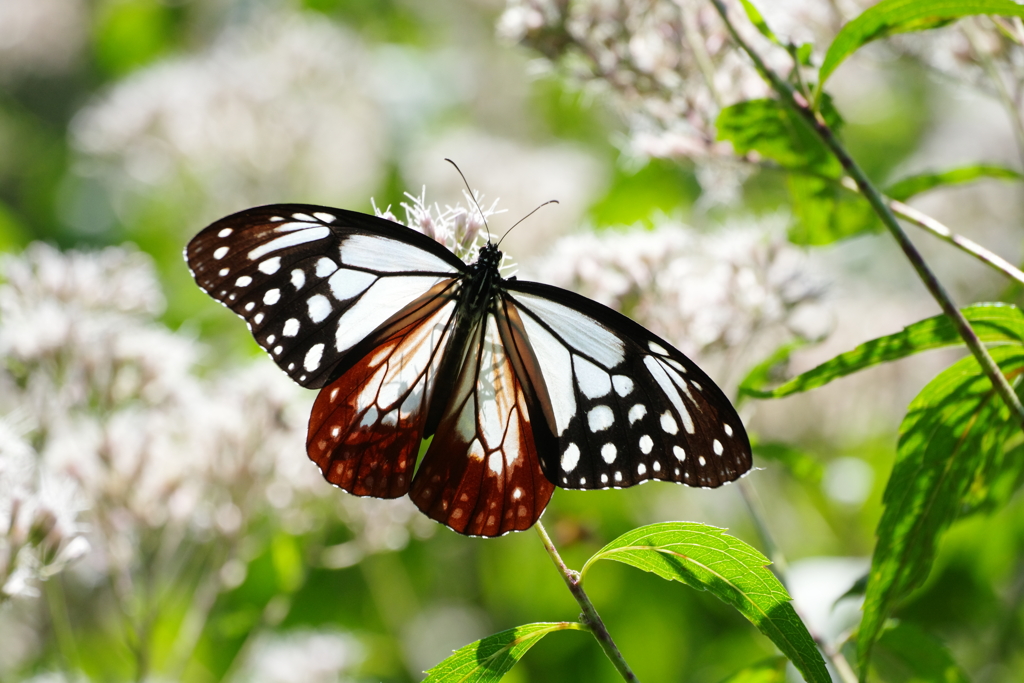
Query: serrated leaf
point(992, 322)
point(907, 654)
point(769, 671)
point(901, 16)
point(959, 453)
point(706, 558)
point(906, 188)
point(491, 658)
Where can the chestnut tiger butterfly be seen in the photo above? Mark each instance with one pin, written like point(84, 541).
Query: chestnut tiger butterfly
point(522, 386)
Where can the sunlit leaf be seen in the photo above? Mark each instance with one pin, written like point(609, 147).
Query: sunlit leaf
point(906, 188)
point(992, 322)
point(706, 558)
point(823, 209)
point(906, 654)
point(901, 16)
point(769, 671)
point(491, 658)
point(757, 20)
point(959, 452)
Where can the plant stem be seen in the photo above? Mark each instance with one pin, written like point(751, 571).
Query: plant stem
point(878, 202)
point(590, 616)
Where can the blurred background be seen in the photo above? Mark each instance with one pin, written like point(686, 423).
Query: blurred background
point(162, 521)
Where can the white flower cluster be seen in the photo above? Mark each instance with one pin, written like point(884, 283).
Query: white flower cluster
point(40, 527)
point(670, 65)
point(460, 228)
point(277, 106)
point(736, 292)
point(111, 433)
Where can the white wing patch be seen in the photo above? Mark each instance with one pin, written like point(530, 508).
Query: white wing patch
point(389, 256)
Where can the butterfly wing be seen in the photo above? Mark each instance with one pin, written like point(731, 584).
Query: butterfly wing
point(313, 282)
point(625, 405)
point(481, 474)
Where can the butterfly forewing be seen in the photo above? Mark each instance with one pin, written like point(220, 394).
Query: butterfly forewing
point(311, 282)
point(627, 406)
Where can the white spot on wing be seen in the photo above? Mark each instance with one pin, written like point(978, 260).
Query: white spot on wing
point(243, 281)
point(294, 239)
point(668, 423)
point(495, 462)
point(728, 428)
point(646, 444)
point(346, 284)
point(325, 266)
point(657, 348)
point(272, 296)
point(637, 412)
point(319, 308)
point(270, 266)
point(608, 452)
point(325, 217)
point(594, 382)
point(298, 279)
point(291, 327)
point(717, 446)
point(220, 252)
point(623, 385)
point(641, 469)
point(570, 458)
point(666, 384)
point(600, 418)
point(679, 453)
point(224, 232)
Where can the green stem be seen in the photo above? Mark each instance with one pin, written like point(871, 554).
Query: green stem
point(878, 202)
point(590, 616)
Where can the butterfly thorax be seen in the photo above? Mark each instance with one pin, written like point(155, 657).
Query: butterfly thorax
point(480, 281)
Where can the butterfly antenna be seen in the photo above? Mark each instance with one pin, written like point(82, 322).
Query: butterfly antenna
point(472, 196)
point(550, 201)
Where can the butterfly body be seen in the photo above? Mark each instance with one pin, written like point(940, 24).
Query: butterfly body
point(520, 386)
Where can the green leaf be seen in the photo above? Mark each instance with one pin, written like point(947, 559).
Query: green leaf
point(907, 654)
point(992, 322)
point(491, 658)
point(823, 209)
point(769, 128)
point(705, 558)
point(826, 212)
point(959, 453)
point(767, 371)
point(901, 16)
point(769, 671)
point(903, 190)
point(757, 20)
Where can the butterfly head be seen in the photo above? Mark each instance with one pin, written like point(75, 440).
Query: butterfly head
point(490, 257)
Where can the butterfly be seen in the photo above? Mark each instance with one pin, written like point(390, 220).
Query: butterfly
point(518, 386)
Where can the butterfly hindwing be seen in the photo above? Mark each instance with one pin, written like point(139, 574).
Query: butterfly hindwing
point(312, 282)
point(627, 406)
point(481, 474)
point(366, 426)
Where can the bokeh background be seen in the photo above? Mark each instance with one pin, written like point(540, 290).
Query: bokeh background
point(159, 520)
